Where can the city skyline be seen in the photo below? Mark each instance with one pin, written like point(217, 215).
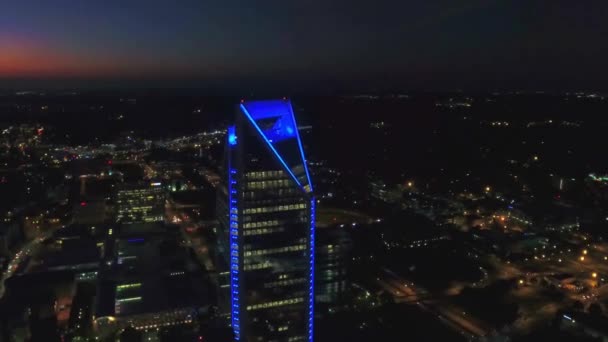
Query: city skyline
point(450, 226)
point(312, 171)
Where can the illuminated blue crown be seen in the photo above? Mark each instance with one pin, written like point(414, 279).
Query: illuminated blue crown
point(276, 124)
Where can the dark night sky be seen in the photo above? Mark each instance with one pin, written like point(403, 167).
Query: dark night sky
point(424, 44)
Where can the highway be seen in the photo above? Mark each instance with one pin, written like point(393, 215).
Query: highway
point(22, 255)
point(404, 291)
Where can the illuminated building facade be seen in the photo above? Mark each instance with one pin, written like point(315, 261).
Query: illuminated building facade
point(140, 203)
point(267, 226)
point(145, 287)
point(333, 247)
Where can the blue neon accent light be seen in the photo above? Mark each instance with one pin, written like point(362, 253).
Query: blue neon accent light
point(282, 129)
point(135, 240)
point(234, 240)
point(269, 109)
point(232, 135)
point(275, 121)
point(293, 118)
point(311, 292)
point(246, 112)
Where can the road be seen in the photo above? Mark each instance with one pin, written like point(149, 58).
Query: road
point(196, 241)
point(200, 247)
point(22, 255)
point(404, 291)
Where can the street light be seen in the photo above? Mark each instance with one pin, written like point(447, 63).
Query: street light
point(594, 275)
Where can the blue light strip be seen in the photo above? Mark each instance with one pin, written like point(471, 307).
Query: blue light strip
point(234, 241)
point(311, 289)
point(270, 145)
point(231, 135)
point(293, 118)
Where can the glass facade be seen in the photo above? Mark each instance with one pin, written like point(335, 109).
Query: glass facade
point(333, 246)
point(140, 203)
point(267, 226)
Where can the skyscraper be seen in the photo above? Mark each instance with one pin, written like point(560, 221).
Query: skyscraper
point(266, 233)
point(142, 202)
point(333, 247)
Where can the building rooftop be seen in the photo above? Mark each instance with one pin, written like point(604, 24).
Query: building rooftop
point(151, 272)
